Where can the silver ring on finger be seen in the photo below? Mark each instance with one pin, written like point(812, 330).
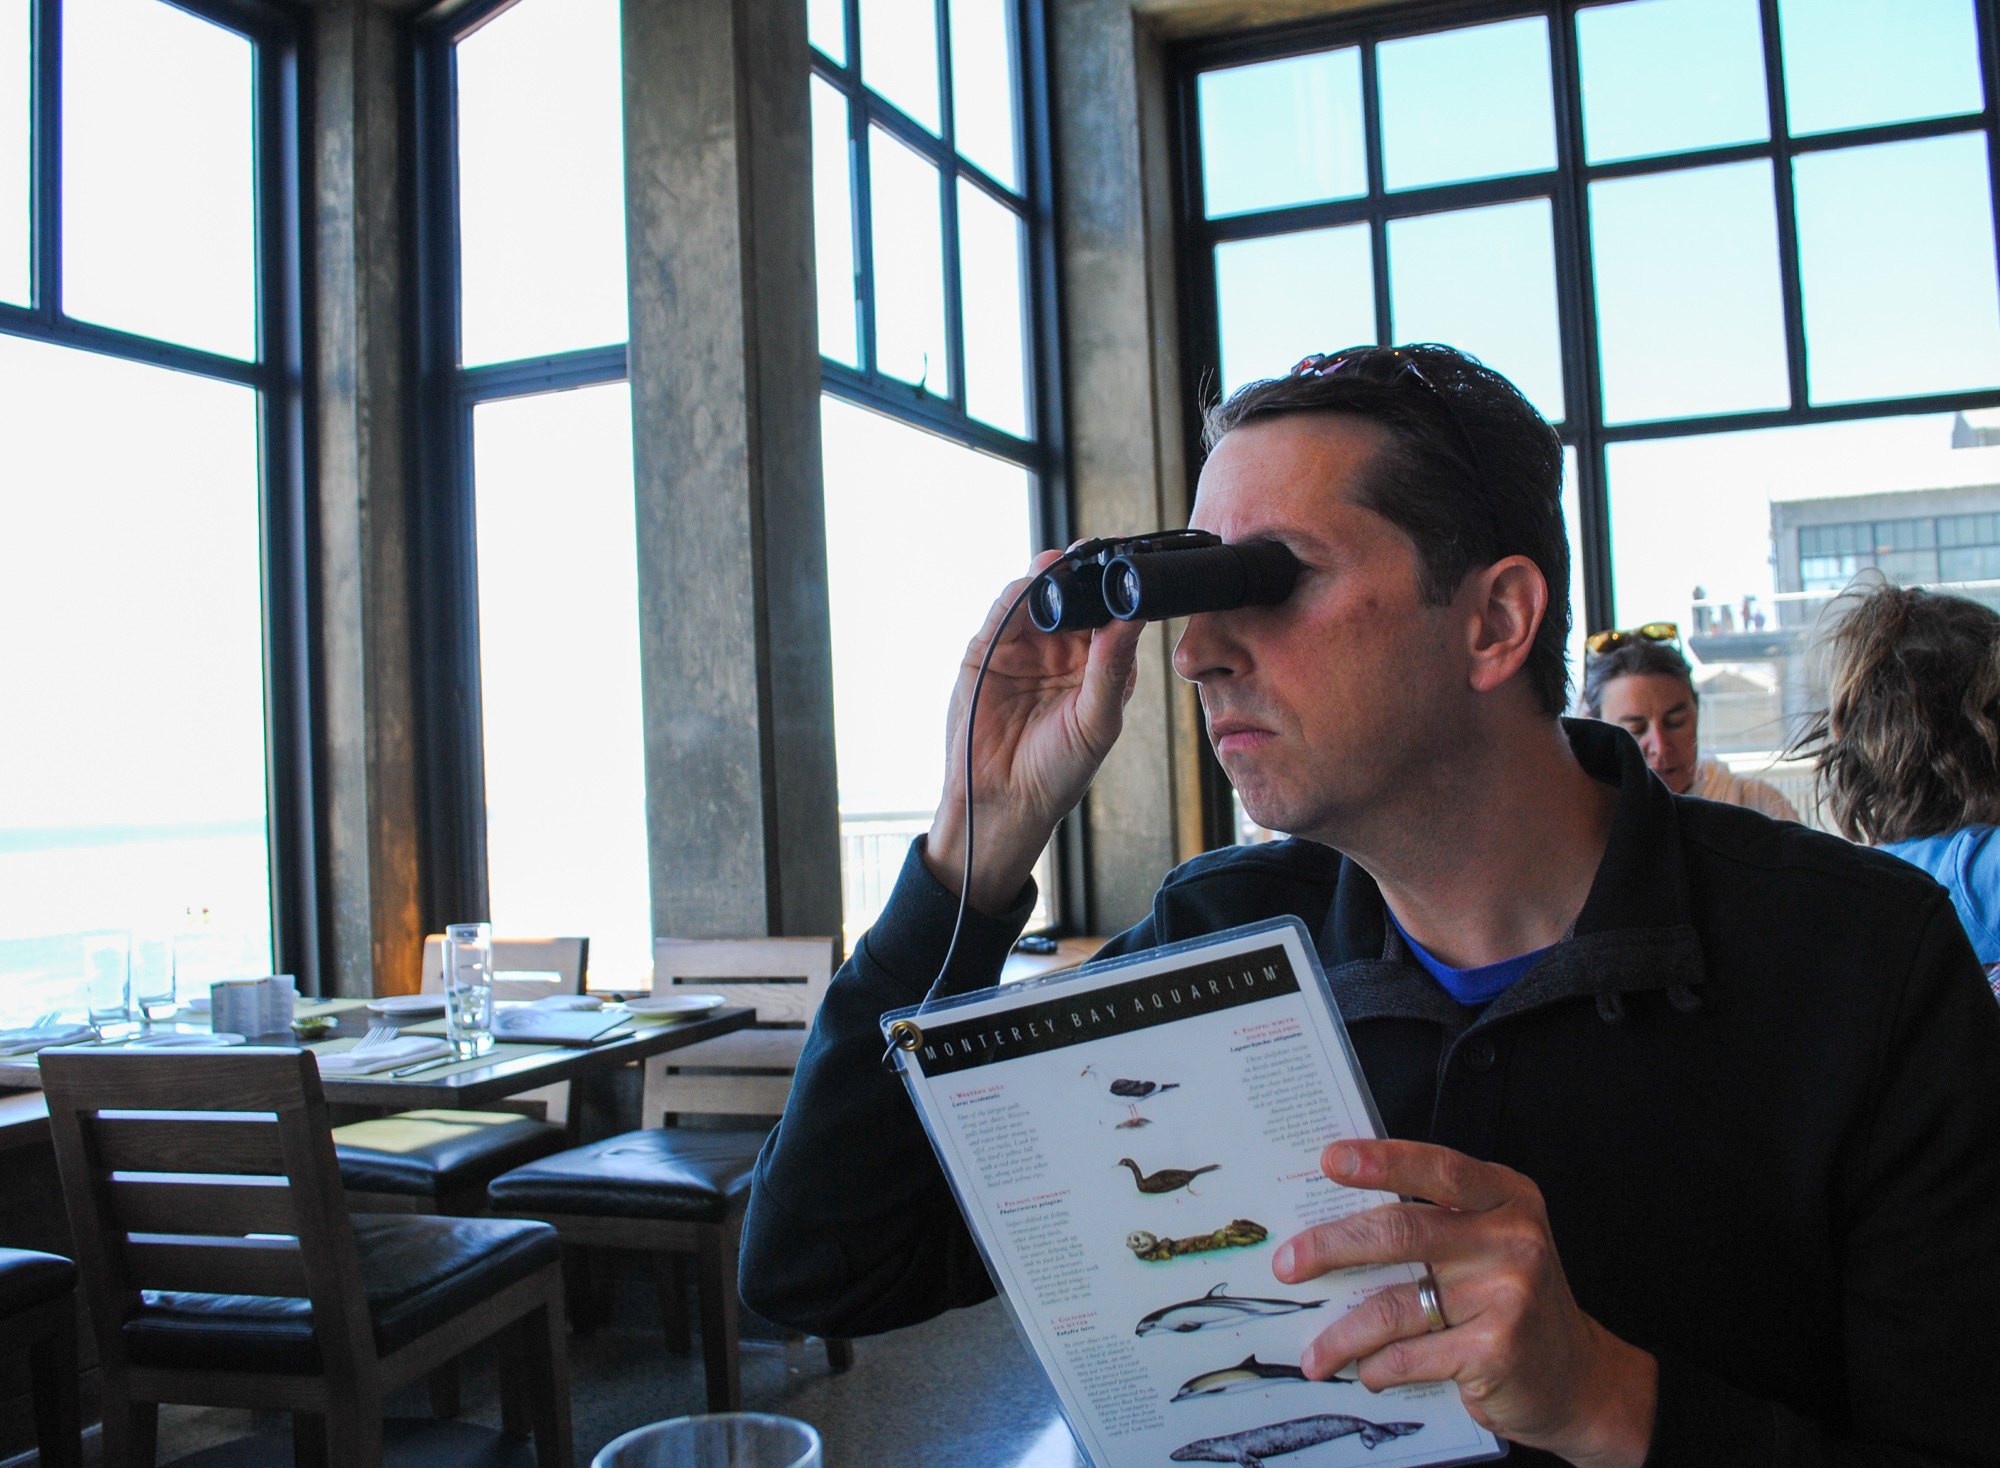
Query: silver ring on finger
point(1427, 1297)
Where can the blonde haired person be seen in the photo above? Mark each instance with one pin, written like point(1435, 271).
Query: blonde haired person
point(1639, 681)
point(1908, 751)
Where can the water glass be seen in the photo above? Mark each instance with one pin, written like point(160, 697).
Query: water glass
point(722, 1440)
point(468, 988)
point(153, 976)
point(107, 977)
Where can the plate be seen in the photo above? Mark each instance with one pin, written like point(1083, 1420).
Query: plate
point(667, 1005)
point(408, 1004)
point(196, 1005)
point(183, 1040)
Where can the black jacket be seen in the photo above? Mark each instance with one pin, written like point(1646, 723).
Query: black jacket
point(1759, 1088)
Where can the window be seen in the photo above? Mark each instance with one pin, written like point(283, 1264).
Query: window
point(155, 771)
point(1740, 252)
point(532, 674)
point(929, 188)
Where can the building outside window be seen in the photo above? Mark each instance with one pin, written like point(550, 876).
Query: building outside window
point(929, 190)
point(155, 775)
point(1740, 252)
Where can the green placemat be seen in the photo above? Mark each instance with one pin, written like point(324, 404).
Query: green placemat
point(437, 1027)
point(497, 1053)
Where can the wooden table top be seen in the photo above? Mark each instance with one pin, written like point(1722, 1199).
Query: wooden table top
point(509, 1070)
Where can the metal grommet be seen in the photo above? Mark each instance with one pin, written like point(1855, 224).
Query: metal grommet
point(904, 1035)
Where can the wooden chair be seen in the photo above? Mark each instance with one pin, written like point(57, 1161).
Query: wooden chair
point(440, 1161)
point(676, 1192)
point(221, 1267)
point(748, 1073)
point(38, 1317)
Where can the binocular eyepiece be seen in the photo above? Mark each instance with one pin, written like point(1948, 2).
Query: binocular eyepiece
point(1171, 573)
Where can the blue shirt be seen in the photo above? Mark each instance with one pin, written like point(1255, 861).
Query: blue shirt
point(1471, 987)
point(1967, 861)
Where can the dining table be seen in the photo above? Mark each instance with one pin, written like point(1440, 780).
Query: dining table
point(508, 1069)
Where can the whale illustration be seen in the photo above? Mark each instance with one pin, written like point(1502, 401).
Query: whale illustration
point(1216, 1308)
point(1245, 1375)
point(1249, 1449)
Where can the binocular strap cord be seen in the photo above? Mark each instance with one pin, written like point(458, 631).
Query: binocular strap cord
point(904, 1033)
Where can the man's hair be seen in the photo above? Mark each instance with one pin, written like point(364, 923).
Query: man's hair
point(1472, 473)
point(1909, 745)
point(1637, 657)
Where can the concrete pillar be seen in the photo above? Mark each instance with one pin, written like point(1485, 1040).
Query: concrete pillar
point(742, 800)
point(1129, 470)
point(370, 884)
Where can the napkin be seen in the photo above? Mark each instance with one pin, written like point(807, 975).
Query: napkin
point(27, 1040)
point(407, 1050)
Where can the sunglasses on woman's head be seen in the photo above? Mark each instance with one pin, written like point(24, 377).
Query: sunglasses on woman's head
point(1603, 642)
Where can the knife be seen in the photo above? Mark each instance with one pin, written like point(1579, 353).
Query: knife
point(431, 1064)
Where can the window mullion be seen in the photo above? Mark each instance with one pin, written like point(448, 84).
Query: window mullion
point(1986, 22)
point(45, 176)
point(954, 284)
point(1782, 199)
point(1576, 306)
point(1378, 208)
point(858, 123)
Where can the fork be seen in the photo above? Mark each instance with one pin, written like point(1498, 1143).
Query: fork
point(375, 1039)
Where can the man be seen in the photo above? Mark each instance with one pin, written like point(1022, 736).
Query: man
point(1702, 1104)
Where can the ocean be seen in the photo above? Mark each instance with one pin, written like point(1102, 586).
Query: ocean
point(61, 886)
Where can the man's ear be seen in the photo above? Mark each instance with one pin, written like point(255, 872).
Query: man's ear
point(1505, 603)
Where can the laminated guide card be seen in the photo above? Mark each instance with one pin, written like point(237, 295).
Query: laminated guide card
point(1130, 1142)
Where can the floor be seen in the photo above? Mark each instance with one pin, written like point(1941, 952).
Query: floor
point(958, 1392)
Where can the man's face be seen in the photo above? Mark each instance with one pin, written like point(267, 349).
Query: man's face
point(1336, 699)
point(1659, 710)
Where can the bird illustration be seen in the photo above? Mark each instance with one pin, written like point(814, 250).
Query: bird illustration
point(1167, 1179)
point(1129, 1093)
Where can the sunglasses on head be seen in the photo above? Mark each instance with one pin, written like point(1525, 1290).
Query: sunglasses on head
point(1603, 642)
point(1366, 364)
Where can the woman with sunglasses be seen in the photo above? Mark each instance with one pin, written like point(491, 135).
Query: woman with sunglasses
point(1908, 751)
point(1639, 680)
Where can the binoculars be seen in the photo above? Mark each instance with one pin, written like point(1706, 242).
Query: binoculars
point(1170, 573)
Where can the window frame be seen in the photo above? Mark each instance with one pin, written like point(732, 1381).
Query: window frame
point(1043, 452)
point(277, 374)
point(447, 702)
point(1566, 186)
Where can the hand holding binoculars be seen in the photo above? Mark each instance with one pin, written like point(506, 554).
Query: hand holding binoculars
point(1169, 573)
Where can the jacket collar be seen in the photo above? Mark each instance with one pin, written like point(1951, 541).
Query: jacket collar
point(1634, 934)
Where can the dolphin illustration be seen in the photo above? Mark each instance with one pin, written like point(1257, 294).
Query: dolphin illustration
point(1216, 1308)
point(1246, 1375)
point(1249, 1449)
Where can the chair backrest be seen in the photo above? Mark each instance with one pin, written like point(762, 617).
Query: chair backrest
point(207, 1172)
point(523, 968)
point(748, 1073)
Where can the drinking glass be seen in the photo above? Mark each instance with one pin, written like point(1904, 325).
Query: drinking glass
point(153, 976)
point(107, 977)
point(723, 1440)
point(468, 988)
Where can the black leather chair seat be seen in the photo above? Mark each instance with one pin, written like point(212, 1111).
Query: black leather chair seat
point(684, 1176)
point(425, 1153)
point(29, 1278)
point(418, 1272)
